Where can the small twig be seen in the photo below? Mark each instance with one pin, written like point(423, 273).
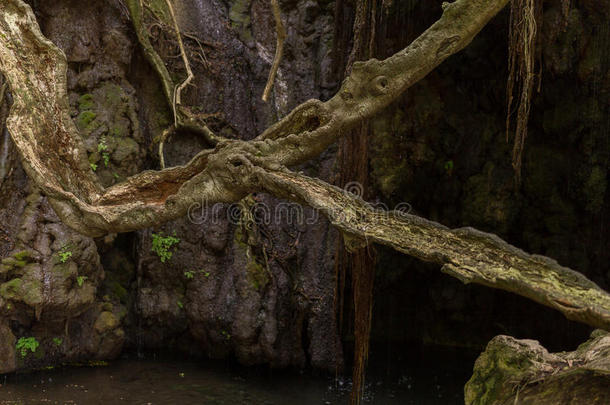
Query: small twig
point(194, 38)
point(279, 48)
point(178, 89)
point(164, 136)
point(191, 126)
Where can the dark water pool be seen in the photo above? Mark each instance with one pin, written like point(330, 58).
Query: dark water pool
point(180, 382)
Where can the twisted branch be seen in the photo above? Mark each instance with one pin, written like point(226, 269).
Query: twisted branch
point(53, 156)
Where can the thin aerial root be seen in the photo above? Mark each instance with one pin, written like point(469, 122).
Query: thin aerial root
point(522, 52)
point(279, 48)
point(189, 72)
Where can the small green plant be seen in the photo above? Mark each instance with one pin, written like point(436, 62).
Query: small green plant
point(161, 245)
point(25, 344)
point(64, 254)
point(103, 149)
point(225, 334)
point(180, 304)
point(80, 280)
point(116, 175)
point(57, 341)
point(101, 146)
point(449, 167)
point(85, 102)
point(206, 273)
point(181, 375)
point(93, 166)
point(189, 275)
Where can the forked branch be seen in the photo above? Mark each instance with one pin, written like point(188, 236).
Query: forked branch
point(54, 158)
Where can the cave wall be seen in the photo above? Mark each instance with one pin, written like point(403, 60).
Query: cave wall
point(442, 148)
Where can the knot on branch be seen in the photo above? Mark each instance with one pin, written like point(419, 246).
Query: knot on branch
point(364, 81)
point(445, 48)
point(379, 85)
point(242, 164)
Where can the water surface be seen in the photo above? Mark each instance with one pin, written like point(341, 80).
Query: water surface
point(168, 381)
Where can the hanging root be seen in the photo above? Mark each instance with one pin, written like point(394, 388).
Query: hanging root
point(176, 100)
point(178, 89)
point(354, 160)
point(279, 48)
point(522, 50)
point(183, 118)
point(363, 277)
point(137, 19)
point(565, 11)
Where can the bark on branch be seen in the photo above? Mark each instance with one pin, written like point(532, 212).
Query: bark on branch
point(54, 158)
point(466, 253)
point(50, 144)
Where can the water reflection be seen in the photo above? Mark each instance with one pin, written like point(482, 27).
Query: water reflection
point(133, 381)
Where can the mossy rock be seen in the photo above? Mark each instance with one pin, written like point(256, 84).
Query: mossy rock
point(239, 14)
point(86, 121)
point(126, 148)
point(26, 290)
point(106, 322)
point(85, 102)
point(522, 371)
point(504, 361)
point(160, 10)
point(257, 275)
point(12, 262)
point(17, 262)
point(11, 290)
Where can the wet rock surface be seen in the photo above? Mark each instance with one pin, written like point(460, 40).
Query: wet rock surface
point(265, 295)
point(214, 296)
point(522, 371)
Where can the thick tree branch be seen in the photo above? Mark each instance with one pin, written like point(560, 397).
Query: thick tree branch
point(44, 133)
point(466, 253)
point(374, 84)
point(54, 158)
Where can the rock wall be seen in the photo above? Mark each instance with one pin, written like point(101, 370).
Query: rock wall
point(215, 296)
point(443, 150)
point(265, 293)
